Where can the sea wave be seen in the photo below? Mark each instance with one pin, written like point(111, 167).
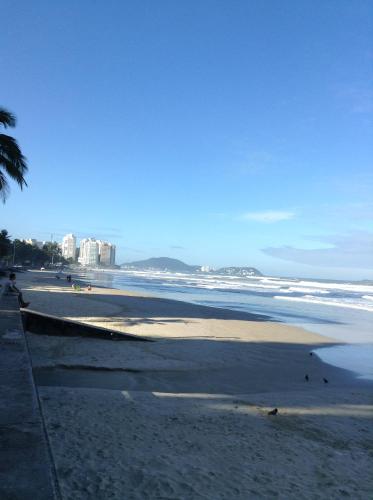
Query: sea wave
point(326, 293)
point(300, 289)
point(210, 282)
point(328, 302)
point(344, 287)
point(296, 285)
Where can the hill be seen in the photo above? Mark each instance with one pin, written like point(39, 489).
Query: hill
point(162, 264)
point(175, 265)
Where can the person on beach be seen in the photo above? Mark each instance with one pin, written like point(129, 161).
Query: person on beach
point(10, 287)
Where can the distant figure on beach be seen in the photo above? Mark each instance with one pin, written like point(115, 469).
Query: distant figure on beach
point(68, 278)
point(273, 412)
point(10, 287)
point(89, 287)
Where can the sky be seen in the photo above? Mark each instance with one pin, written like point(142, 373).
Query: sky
point(216, 132)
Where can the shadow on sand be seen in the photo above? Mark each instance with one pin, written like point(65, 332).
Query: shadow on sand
point(213, 366)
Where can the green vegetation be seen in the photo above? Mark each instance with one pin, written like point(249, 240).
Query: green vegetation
point(18, 252)
point(12, 162)
point(5, 244)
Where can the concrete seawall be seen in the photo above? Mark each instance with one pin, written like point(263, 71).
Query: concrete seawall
point(46, 324)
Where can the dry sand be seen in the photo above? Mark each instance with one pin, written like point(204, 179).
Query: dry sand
point(186, 416)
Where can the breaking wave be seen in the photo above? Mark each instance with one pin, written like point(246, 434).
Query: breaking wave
point(351, 304)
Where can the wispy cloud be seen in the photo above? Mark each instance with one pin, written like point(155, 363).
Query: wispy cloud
point(268, 216)
point(177, 247)
point(354, 250)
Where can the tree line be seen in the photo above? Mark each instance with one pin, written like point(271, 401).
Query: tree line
point(18, 252)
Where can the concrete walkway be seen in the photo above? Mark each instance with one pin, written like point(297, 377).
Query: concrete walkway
point(26, 468)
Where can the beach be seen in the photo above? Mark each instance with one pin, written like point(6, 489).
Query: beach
point(186, 415)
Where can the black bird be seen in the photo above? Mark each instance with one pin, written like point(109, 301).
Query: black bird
point(311, 353)
point(326, 381)
point(306, 378)
point(273, 412)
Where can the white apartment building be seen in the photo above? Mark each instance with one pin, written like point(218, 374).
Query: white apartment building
point(206, 269)
point(89, 252)
point(35, 243)
point(68, 246)
point(106, 253)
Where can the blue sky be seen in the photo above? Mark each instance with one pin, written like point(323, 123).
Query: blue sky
point(217, 132)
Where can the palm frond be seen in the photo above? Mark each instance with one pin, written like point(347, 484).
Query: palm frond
point(4, 187)
point(12, 159)
point(7, 119)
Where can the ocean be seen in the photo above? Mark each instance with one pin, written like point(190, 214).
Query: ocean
point(338, 309)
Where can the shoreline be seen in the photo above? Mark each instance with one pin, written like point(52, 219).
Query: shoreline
point(114, 301)
point(169, 319)
point(328, 354)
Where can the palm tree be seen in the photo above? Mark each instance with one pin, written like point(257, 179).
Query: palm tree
point(5, 243)
point(12, 161)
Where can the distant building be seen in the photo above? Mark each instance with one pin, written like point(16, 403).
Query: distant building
point(89, 252)
point(68, 246)
point(206, 269)
point(35, 243)
point(106, 253)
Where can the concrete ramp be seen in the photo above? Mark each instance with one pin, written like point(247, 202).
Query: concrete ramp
point(46, 324)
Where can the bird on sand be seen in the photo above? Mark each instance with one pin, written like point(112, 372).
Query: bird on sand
point(273, 412)
point(326, 381)
point(306, 378)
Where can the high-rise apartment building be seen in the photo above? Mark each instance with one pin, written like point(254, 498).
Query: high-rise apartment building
point(89, 252)
point(106, 253)
point(34, 242)
point(68, 246)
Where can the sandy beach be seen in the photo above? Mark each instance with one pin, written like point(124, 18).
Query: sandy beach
point(185, 416)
